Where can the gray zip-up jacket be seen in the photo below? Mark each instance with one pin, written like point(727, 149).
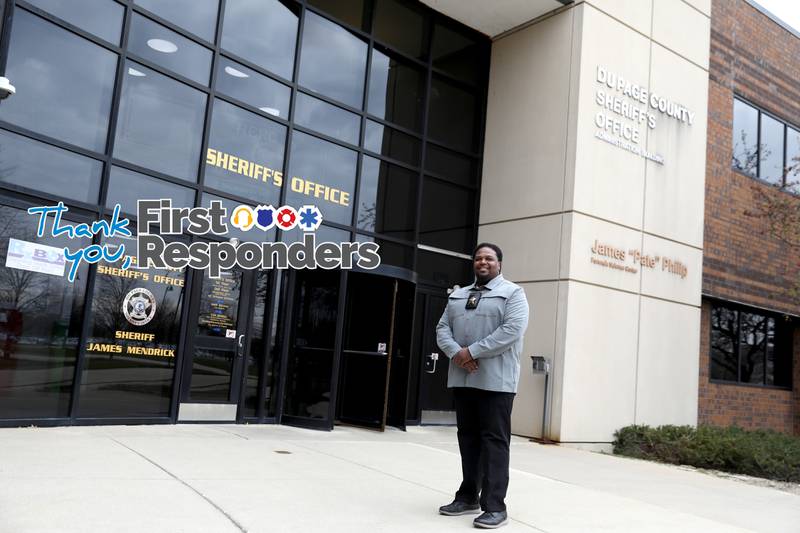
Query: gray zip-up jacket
point(492, 331)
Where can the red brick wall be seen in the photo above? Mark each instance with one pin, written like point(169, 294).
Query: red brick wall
point(756, 58)
point(745, 406)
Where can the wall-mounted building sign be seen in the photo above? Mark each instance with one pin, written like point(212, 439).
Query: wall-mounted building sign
point(274, 178)
point(631, 260)
point(626, 108)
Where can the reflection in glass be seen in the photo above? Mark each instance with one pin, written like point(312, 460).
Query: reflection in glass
point(28, 163)
point(245, 154)
point(100, 17)
point(214, 350)
point(256, 354)
point(770, 164)
point(197, 16)
point(456, 54)
point(263, 32)
point(130, 377)
point(724, 344)
point(333, 61)
point(444, 270)
point(769, 368)
point(160, 123)
point(391, 253)
point(323, 234)
point(219, 303)
point(387, 199)
point(211, 375)
point(125, 187)
point(350, 12)
point(322, 174)
point(448, 215)
point(391, 143)
point(41, 53)
point(252, 88)
point(308, 377)
point(781, 351)
point(793, 160)
point(326, 118)
point(254, 235)
point(164, 47)
point(400, 26)
point(752, 340)
point(40, 319)
point(745, 138)
point(396, 91)
point(452, 115)
point(457, 167)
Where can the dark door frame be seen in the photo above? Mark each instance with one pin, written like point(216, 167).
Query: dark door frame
point(241, 341)
point(396, 273)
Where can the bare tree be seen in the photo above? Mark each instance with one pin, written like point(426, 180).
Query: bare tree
point(778, 209)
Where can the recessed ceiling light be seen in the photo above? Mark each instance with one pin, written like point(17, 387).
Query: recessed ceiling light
point(162, 45)
point(138, 73)
point(271, 111)
point(236, 73)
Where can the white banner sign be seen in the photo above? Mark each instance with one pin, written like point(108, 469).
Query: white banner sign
point(35, 257)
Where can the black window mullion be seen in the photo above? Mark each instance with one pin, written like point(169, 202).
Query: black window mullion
point(90, 281)
point(427, 37)
point(249, 107)
point(24, 132)
point(6, 18)
point(152, 173)
point(764, 356)
point(412, 133)
point(174, 27)
point(738, 346)
point(784, 172)
point(168, 73)
point(252, 66)
point(362, 133)
point(49, 17)
point(209, 106)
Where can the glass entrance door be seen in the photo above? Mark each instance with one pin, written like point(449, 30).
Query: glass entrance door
point(436, 402)
point(315, 321)
point(348, 354)
point(215, 346)
point(375, 352)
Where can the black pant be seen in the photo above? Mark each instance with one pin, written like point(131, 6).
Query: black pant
point(484, 435)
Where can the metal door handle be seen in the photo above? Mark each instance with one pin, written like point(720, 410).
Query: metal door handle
point(240, 344)
point(433, 357)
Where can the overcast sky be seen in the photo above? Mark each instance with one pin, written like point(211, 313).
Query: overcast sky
point(786, 10)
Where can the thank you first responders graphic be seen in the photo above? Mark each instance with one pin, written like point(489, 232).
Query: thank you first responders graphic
point(158, 218)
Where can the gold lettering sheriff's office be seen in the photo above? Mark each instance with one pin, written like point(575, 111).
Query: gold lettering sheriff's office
point(238, 165)
point(133, 273)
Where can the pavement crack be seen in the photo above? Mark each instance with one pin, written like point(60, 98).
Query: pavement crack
point(222, 511)
point(230, 433)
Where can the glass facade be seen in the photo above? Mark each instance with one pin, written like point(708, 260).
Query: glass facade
point(765, 147)
point(370, 109)
point(751, 347)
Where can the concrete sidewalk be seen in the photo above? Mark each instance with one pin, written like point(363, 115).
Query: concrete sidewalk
point(230, 478)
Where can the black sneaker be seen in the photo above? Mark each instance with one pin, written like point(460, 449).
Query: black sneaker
point(491, 520)
point(458, 508)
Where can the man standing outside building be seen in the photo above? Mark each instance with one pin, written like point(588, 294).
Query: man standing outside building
point(481, 333)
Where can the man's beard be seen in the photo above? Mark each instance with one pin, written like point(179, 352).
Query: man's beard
point(483, 280)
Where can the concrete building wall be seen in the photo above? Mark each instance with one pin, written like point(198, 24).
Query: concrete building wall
point(607, 243)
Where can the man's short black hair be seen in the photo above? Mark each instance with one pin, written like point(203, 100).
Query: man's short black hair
point(494, 247)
